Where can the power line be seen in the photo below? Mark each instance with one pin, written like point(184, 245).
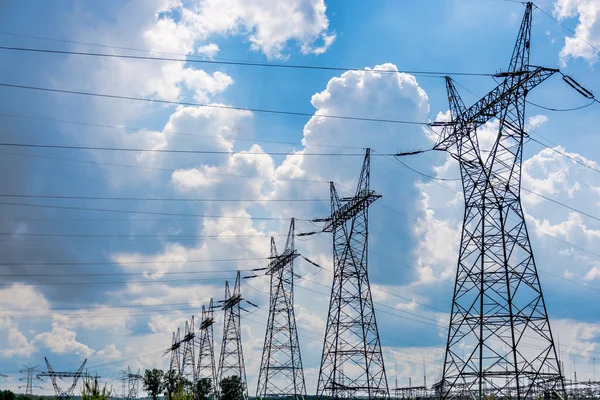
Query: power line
point(436, 74)
point(566, 27)
point(96, 263)
point(216, 106)
point(148, 130)
point(6, 203)
point(180, 151)
point(41, 196)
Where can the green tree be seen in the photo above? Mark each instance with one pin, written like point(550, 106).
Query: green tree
point(232, 388)
point(204, 389)
point(154, 380)
point(91, 390)
point(171, 383)
point(7, 395)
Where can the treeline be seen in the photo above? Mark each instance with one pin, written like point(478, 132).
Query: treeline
point(176, 387)
point(9, 395)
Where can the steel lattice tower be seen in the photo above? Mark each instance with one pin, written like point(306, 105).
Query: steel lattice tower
point(175, 350)
point(499, 338)
point(60, 393)
point(188, 360)
point(231, 359)
point(206, 354)
point(281, 373)
point(352, 362)
point(29, 385)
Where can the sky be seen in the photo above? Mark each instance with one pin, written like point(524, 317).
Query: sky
point(156, 262)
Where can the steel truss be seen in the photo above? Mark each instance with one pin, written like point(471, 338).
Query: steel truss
point(499, 339)
point(205, 367)
point(231, 359)
point(60, 393)
point(188, 359)
point(352, 362)
point(281, 373)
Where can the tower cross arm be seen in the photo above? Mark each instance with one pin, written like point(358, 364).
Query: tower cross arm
point(491, 104)
point(280, 261)
point(349, 209)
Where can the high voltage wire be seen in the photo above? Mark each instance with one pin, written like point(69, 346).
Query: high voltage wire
point(216, 106)
point(192, 199)
point(110, 210)
point(240, 63)
point(123, 149)
point(148, 130)
point(93, 263)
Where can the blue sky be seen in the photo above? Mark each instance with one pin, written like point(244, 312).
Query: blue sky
point(414, 228)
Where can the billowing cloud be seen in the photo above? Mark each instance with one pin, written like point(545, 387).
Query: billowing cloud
point(587, 32)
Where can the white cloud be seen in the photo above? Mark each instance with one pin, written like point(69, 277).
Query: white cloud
point(62, 341)
point(588, 29)
point(269, 25)
point(209, 50)
point(110, 351)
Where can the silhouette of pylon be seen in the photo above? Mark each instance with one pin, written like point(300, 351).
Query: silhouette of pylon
point(231, 359)
point(206, 353)
point(281, 373)
point(188, 360)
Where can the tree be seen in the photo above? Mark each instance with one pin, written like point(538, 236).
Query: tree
point(232, 388)
point(153, 382)
point(204, 389)
point(172, 382)
point(91, 390)
point(7, 395)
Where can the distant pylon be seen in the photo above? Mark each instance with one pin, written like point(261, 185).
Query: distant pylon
point(188, 361)
point(206, 352)
point(281, 373)
point(231, 361)
point(352, 362)
point(29, 379)
point(175, 350)
point(60, 393)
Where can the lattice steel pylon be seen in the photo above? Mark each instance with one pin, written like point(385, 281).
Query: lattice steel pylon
point(281, 373)
point(499, 339)
point(175, 351)
point(352, 361)
point(60, 393)
point(29, 385)
point(188, 359)
point(231, 359)
point(206, 353)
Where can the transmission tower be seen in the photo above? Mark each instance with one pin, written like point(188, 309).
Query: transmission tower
point(60, 393)
point(133, 381)
point(188, 361)
point(352, 362)
point(231, 361)
point(206, 352)
point(281, 373)
point(29, 379)
point(498, 311)
point(175, 351)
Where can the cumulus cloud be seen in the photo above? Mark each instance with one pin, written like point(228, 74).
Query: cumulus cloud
point(62, 341)
point(587, 30)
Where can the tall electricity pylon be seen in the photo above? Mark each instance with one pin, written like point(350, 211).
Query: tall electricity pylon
point(175, 350)
point(205, 367)
point(499, 339)
point(352, 362)
point(188, 360)
point(29, 385)
point(60, 393)
point(281, 373)
point(231, 361)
